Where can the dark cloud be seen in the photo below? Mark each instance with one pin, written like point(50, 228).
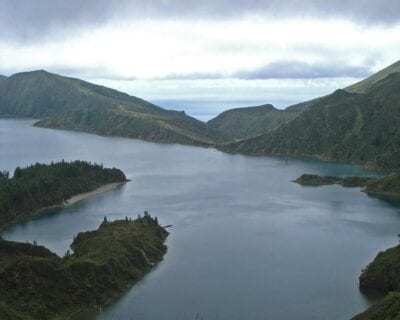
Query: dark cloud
point(301, 70)
point(35, 19)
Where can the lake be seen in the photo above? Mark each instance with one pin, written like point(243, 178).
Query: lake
point(246, 242)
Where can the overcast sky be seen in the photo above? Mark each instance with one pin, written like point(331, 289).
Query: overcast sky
point(176, 52)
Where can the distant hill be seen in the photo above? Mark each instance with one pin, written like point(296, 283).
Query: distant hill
point(248, 122)
point(344, 126)
point(70, 103)
point(366, 84)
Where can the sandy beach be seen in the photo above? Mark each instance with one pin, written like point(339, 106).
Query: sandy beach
point(82, 196)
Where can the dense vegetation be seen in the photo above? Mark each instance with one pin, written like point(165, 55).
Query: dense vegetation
point(123, 122)
point(42, 185)
point(389, 185)
point(248, 122)
point(316, 180)
point(348, 127)
point(357, 125)
point(387, 309)
point(383, 276)
point(37, 284)
point(79, 105)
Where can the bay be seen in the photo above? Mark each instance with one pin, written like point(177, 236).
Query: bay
point(246, 242)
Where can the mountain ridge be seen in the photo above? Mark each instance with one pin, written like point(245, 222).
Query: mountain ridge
point(364, 85)
point(246, 122)
point(344, 126)
point(70, 103)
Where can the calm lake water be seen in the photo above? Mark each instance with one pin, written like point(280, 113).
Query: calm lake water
point(246, 243)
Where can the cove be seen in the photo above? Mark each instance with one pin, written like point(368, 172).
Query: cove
point(246, 243)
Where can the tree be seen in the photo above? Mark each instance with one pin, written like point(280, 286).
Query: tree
point(67, 255)
point(17, 172)
point(4, 174)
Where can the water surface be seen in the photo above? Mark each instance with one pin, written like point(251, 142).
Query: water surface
point(246, 243)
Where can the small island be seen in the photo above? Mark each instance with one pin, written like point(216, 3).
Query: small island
point(41, 186)
point(316, 180)
point(37, 284)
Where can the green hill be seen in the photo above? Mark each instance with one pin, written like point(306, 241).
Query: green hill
point(344, 126)
point(70, 103)
point(248, 122)
point(366, 84)
point(37, 284)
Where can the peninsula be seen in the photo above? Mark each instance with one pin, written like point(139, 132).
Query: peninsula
point(44, 185)
point(37, 284)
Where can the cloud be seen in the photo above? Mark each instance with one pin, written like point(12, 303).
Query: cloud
point(27, 20)
point(302, 70)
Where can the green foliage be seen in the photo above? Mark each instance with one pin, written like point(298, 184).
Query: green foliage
point(386, 309)
point(366, 84)
point(37, 284)
point(316, 180)
point(348, 127)
point(78, 105)
point(382, 274)
point(173, 127)
point(241, 123)
point(389, 185)
point(41, 185)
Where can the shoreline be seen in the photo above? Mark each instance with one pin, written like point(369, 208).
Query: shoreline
point(82, 196)
point(66, 203)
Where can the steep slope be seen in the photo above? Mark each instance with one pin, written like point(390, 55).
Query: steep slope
point(366, 84)
point(349, 127)
point(41, 94)
point(248, 122)
point(302, 106)
point(79, 105)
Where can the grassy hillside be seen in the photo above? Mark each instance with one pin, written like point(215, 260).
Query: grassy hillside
point(122, 121)
point(366, 84)
point(248, 122)
point(37, 284)
point(40, 185)
point(344, 126)
point(41, 94)
point(76, 104)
